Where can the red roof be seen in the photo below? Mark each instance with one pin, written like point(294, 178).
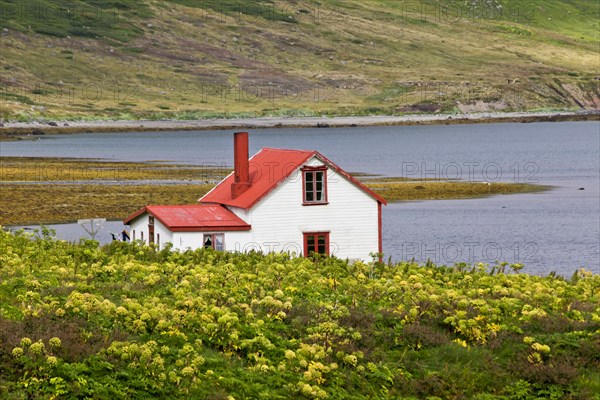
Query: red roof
point(194, 217)
point(268, 168)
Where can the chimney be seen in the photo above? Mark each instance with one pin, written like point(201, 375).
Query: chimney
point(241, 164)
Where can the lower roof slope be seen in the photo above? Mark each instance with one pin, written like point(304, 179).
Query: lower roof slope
point(193, 217)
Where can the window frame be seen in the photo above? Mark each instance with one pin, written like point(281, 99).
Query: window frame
point(307, 251)
point(314, 170)
point(213, 240)
point(151, 238)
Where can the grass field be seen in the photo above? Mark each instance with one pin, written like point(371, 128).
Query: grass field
point(180, 59)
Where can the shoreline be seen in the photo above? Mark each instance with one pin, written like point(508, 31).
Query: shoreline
point(56, 190)
point(71, 200)
point(16, 130)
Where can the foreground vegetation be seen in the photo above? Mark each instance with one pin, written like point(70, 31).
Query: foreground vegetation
point(55, 190)
point(129, 321)
point(183, 59)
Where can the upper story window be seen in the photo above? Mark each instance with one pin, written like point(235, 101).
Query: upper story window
point(314, 185)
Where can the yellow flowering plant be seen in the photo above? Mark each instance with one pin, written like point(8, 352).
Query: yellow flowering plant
point(131, 321)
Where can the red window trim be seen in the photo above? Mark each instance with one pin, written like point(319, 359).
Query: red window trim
point(379, 231)
point(212, 239)
point(325, 196)
point(305, 237)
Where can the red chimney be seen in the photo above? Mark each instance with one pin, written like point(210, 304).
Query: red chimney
point(241, 164)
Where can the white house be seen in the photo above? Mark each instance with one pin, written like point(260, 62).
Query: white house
point(279, 200)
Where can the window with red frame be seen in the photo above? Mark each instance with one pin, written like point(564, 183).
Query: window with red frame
point(316, 242)
point(314, 185)
point(214, 241)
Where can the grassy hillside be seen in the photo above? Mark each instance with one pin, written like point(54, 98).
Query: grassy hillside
point(199, 59)
point(130, 322)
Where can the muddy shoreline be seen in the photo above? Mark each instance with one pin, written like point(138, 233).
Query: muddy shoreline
point(20, 130)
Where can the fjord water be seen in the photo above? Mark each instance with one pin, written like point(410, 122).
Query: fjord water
point(557, 230)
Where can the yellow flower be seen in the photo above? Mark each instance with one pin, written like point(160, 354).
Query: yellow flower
point(198, 361)
point(17, 352)
point(187, 371)
point(37, 347)
point(281, 315)
point(187, 349)
point(351, 359)
point(306, 389)
point(528, 340)
point(158, 361)
point(542, 348)
point(534, 358)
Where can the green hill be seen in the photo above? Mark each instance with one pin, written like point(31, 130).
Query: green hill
point(70, 59)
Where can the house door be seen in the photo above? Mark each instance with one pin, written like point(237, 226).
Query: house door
point(151, 230)
point(316, 242)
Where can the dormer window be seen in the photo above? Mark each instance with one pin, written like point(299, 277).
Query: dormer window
point(314, 185)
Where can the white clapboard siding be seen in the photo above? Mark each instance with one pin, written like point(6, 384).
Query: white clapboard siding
point(279, 220)
point(185, 240)
point(194, 240)
point(140, 224)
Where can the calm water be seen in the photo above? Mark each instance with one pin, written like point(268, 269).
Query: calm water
point(557, 230)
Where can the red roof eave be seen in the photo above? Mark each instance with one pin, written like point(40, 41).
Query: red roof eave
point(243, 202)
point(210, 228)
point(257, 199)
point(220, 194)
point(133, 216)
point(235, 226)
point(352, 179)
